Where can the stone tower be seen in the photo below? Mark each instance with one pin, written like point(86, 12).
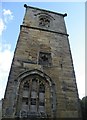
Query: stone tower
point(42, 81)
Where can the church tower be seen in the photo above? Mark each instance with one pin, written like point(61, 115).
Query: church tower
point(41, 82)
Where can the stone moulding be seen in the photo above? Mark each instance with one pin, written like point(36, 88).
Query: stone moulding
point(45, 77)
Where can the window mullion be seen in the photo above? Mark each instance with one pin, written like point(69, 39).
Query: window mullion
point(37, 94)
point(30, 93)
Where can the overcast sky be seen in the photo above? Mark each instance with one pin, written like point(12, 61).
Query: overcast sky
point(11, 18)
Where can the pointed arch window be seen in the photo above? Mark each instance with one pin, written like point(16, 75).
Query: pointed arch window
point(32, 99)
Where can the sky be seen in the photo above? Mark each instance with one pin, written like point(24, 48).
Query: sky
point(11, 17)
point(85, 45)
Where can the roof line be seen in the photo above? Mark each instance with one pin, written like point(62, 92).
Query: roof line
point(64, 15)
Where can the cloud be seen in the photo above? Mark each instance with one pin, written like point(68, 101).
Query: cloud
point(2, 26)
point(7, 12)
point(6, 56)
point(8, 15)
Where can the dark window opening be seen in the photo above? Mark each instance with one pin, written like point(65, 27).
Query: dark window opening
point(41, 103)
point(25, 101)
point(33, 101)
point(45, 58)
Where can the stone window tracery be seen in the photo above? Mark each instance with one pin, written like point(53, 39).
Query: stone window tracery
point(26, 85)
point(45, 59)
point(32, 99)
point(44, 21)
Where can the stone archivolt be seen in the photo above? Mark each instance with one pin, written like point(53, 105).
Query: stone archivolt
point(33, 92)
